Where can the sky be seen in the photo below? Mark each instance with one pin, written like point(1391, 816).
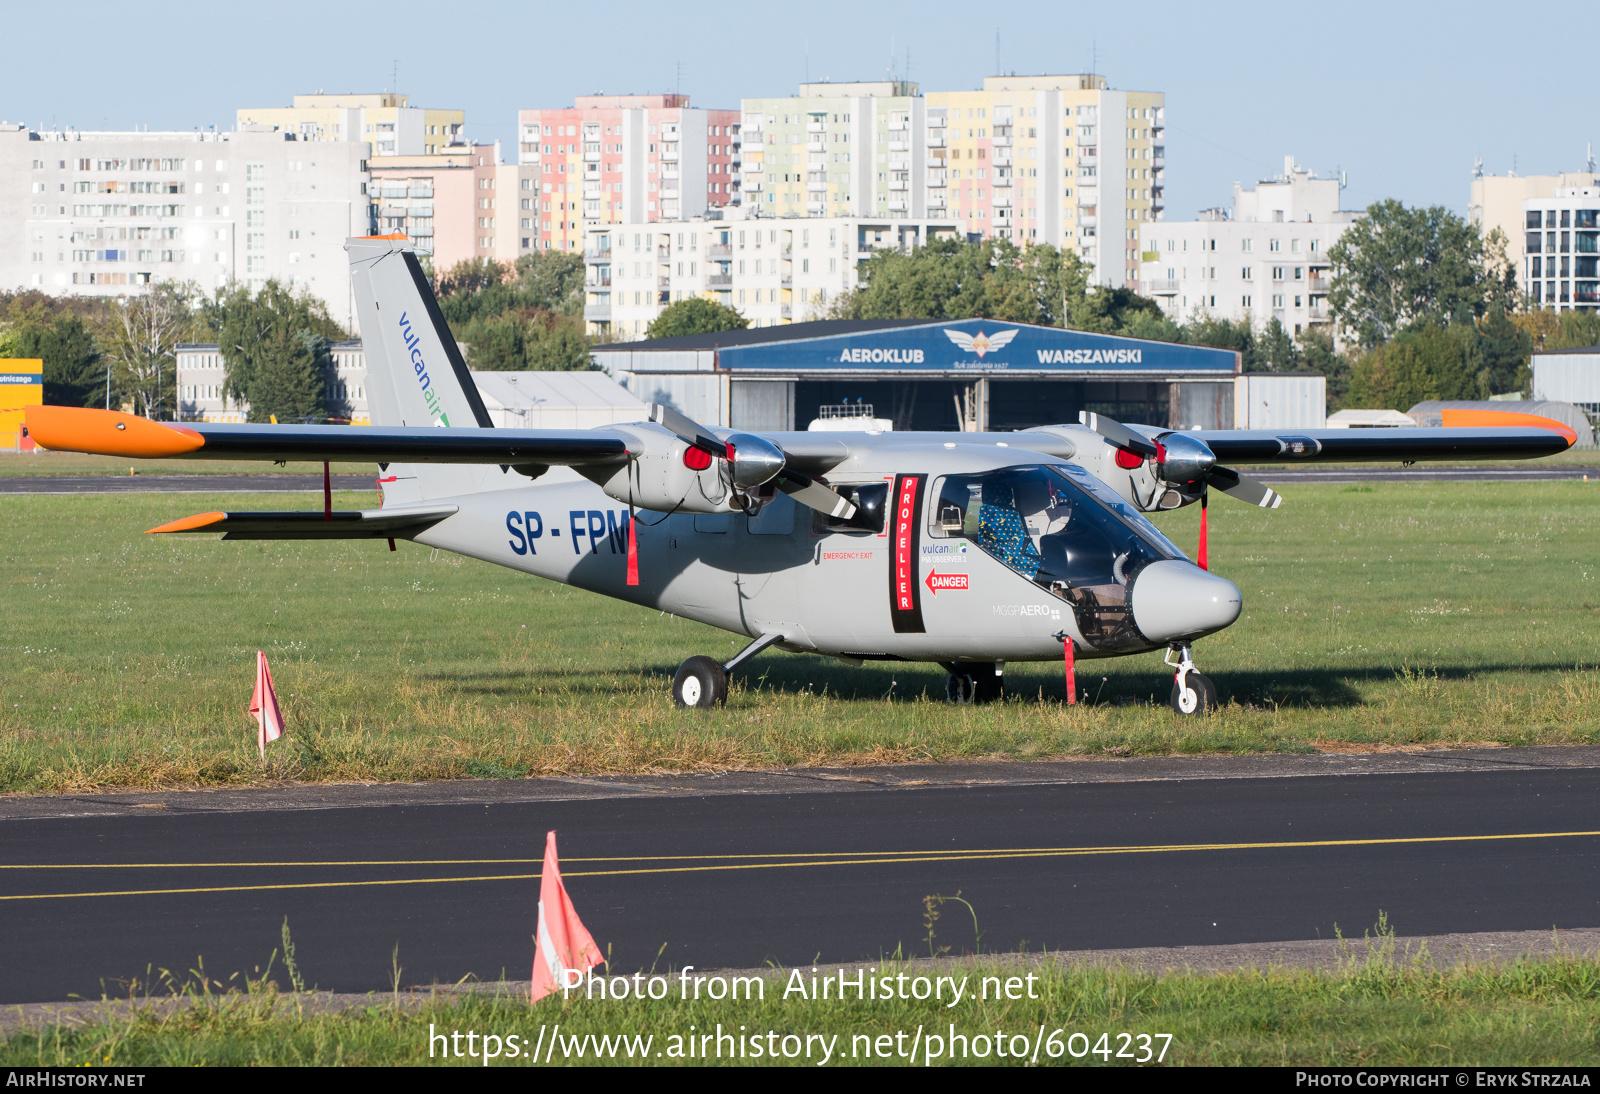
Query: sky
point(1399, 96)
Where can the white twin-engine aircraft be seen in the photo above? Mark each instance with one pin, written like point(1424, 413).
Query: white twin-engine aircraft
point(966, 549)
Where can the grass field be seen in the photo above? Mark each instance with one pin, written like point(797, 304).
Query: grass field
point(1403, 615)
point(1374, 1011)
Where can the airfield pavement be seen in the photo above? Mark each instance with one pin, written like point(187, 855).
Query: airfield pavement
point(1495, 847)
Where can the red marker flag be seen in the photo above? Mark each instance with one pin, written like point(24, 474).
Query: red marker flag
point(563, 945)
point(264, 706)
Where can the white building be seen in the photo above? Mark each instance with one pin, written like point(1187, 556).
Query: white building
point(1266, 258)
point(1561, 249)
point(102, 213)
point(201, 378)
point(773, 270)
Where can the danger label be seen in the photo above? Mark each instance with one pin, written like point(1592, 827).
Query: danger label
point(937, 582)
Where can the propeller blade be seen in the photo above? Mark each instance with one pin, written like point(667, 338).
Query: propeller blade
point(1244, 488)
point(688, 430)
point(1117, 433)
point(813, 495)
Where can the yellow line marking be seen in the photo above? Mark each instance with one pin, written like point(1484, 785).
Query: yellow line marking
point(891, 858)
point(877, 856)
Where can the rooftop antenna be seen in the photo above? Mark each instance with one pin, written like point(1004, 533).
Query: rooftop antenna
point(997, 70)
point(808, 59)
point(1588, 162)
point(1477, 167)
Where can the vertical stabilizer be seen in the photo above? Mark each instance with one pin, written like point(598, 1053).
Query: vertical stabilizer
point(415, 372)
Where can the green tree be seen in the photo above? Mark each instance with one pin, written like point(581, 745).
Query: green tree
point(1316, 353)
point(1275, 350)
point(141, 336)
point(526, 316)
point(274, 347)
point(552, 280)
point(1506, 349)
point(1424, 362)
point(1397, 266)
point(74, 366)
point(694, 316)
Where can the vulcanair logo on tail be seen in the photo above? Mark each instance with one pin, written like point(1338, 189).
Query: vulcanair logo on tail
point(429, 396)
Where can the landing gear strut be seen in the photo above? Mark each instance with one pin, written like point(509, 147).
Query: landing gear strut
point(702, 682)
point(1192, 693)
point(974, 682)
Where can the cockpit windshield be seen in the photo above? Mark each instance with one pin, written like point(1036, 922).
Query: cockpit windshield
point(1062, 529)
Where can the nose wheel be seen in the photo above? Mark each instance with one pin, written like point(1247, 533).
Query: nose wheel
point(1192, 693)
point(973, 682)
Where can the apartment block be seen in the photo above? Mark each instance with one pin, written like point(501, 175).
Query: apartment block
point(1264, 258)
point(773, 270)
point(201, 377)
point(102, 213)
point(387, 121)
point(613, 159)
point(1065, 160)
point(836, 150)
point(462, 205)
point(1497, 201)
point(1561, 249)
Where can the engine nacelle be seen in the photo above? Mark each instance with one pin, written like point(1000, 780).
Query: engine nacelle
point(663, 474)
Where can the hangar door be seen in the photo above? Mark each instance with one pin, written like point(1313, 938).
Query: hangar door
point(761, 404)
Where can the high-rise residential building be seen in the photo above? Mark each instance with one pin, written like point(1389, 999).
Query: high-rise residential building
point(387, 121)
point(1561, 248)
point(1265, 258)
point(610, 159)
point(462, 205)
point(834, 150)
point(1065, 160)
point(773, 270)
point(1497, 201)
point(100, 213)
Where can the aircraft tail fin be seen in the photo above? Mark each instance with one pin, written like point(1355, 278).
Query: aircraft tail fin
point(415, 371)
point(416, 375)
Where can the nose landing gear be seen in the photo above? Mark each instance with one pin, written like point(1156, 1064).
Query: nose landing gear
point(973, 682)
point(1192, 693)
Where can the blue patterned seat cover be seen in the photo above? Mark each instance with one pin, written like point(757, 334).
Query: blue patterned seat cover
point(1002, 533)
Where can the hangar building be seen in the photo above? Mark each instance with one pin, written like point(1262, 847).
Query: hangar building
point(970, 374)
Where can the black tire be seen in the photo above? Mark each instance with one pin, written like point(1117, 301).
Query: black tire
point(1204, 694)
point(700, 684)
point(974, 683)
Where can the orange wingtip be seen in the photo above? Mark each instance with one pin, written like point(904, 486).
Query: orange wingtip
point(108, 433)
point(189, 524)
point(1458, 417)
point(391, 235)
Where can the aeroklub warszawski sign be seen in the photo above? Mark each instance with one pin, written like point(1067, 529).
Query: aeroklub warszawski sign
point(979, 345)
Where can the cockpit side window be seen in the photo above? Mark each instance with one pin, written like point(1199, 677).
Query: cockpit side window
point(1063, 537)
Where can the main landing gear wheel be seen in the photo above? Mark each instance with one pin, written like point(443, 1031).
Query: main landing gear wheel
point(1192, 692)
point(700, 684)
point(973, 683)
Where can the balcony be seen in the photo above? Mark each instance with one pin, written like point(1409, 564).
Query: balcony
point(669, 153)
point(599, 255)
point(817, 187)
point(669, 192)
point(719, 280)
point(899, 205)
point(897, 125)
point(784, 311)
point(1158, 162)
point(721, 250)
point(999, 182)
point(899, 146)
point(752, 185)
point(816, 146)
point(899, 184)
point(670, 173)
point(663, 254)
point(816, 207)
point(1317, 284)
point(598, 312)
point(935, 201)
point(1000, 142)
point(591, 157)
point(786, 282)
point(816, 127)
point(1088, 221)
point(592, 192)
point(1161, 287)
point(937, 180)
point(602, 281)
point(938, 122)
point(663, 284)
point(1002, 159)
point(1002, 201)
point(935, 141)
point(1317, 313)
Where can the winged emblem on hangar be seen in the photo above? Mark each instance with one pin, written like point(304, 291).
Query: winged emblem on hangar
point(981, 343)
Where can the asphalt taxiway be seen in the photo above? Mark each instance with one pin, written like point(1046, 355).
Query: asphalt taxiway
point(794, 867)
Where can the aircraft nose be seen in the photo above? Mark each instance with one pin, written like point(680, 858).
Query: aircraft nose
point(1175, 601)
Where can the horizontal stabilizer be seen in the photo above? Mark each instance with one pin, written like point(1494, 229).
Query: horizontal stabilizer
point(315, 524)
point(1357, 445)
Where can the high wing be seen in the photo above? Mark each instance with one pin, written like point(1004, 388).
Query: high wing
point(111, 433)
point(1365, 445)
